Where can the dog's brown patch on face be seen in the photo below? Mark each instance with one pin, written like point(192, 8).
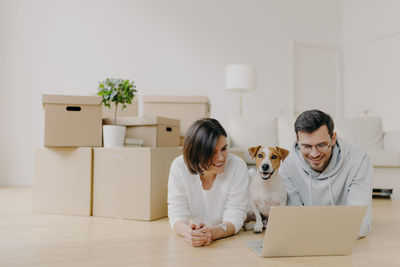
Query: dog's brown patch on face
point(260, 157)
point(257, 154)
point(253, 151)
point(274, 157)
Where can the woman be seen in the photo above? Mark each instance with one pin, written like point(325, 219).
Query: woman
point(207, 187)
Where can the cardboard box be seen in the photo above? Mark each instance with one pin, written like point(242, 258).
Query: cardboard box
point(63, 181)
point(187, 109)
point(131, 183)
point(72, 121)
point(133, 142)
point(131, 110)
point(155, 131)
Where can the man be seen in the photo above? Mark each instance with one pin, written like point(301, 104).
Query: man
point(323, 169)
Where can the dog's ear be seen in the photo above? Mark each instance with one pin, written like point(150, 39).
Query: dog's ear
point(253, 151)
point(282, 152)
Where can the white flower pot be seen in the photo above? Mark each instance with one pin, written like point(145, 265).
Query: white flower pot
point(113, 135)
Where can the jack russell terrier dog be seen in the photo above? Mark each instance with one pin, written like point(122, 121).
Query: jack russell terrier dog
point(267, 187)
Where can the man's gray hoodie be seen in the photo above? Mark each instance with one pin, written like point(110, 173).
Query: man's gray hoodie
point(347, 180)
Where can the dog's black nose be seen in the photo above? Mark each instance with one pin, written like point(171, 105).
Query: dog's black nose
point(265, 167)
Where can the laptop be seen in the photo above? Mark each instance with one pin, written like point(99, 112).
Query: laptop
point(310, 231)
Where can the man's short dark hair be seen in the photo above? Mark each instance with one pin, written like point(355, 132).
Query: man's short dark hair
point(199, 144)
point(311, 120)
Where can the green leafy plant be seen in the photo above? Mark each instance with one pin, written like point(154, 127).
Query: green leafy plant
point(118, 91)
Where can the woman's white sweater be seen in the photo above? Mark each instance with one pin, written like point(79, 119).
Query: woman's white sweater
point(226, 201)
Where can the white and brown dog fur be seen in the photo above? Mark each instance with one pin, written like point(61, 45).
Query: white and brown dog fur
point(267, 187)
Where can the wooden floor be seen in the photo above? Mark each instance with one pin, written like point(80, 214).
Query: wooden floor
point(29, 239)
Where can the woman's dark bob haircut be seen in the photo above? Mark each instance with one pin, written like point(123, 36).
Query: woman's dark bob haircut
point(199, 144)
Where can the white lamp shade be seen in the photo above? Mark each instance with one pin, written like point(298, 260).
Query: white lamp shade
point(240, 77)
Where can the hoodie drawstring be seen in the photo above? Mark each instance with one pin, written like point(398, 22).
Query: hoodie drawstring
point(330, 189)
point(310, 190)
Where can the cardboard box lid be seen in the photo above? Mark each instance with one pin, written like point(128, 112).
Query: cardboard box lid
point(71, 99)
point(142, 121)
point(134, 141)
point(176, 99)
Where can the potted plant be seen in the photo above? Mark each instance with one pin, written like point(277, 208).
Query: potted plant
point(119, 92)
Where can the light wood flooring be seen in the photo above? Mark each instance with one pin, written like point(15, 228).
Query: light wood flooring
point(29, 239)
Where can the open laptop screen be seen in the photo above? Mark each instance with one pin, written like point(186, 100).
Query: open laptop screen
point(311, 230)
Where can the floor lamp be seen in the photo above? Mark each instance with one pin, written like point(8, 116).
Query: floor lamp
point(240, 78)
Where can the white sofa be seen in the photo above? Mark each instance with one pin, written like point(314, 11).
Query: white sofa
point(366, 132)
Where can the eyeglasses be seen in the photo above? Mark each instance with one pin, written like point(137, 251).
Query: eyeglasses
point(322, 148)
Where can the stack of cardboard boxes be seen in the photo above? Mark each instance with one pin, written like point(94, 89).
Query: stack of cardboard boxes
point(75, 175)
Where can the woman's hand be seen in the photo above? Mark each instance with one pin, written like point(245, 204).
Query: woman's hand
point(197, 226)
point(216, 232)
point(196, 236)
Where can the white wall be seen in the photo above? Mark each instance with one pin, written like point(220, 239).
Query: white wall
point(167, 46)
point(371, 41)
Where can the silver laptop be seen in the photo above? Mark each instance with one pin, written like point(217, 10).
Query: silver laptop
point(310, 231)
